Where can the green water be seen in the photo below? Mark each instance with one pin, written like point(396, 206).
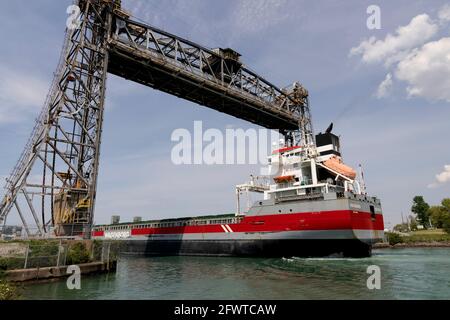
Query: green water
point(405, 274)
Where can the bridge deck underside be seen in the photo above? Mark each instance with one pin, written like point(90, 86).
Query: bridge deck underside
point(154, 72)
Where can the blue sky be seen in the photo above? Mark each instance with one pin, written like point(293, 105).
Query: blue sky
point(387, 91)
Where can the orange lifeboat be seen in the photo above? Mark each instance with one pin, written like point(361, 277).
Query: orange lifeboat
point(336, 164)
point(283, 179)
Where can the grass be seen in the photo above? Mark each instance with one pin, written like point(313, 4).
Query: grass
point(437, 235)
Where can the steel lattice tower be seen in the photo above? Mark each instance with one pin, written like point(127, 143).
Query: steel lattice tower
point(65, 146)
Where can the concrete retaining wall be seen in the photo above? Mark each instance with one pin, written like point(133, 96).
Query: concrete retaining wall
point(51, 273)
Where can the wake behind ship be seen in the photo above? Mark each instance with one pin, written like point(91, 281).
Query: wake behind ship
point(314, 206)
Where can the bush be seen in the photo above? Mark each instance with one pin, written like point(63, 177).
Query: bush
point(77, 254)
point(42, 253)
point(3, 264)
point(394, 238)
point(11, 263)
point(7, 291)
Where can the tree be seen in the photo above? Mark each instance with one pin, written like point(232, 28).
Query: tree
point(446, 224)
point(402, 227)
point(446, 215)
point(446, 204)
point(420, 208)
point(437, 215)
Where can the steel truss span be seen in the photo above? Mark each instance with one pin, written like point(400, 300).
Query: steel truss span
point(55, 179)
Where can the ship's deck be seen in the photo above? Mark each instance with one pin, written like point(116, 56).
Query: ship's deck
point(208, 219)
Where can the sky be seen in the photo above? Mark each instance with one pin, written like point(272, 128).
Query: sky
point(387, 91)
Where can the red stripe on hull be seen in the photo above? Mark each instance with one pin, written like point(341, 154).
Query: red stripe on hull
point(330, 220)
point(98, 233)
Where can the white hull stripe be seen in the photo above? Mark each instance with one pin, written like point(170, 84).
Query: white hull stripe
point(229, 228)
point(224, 229)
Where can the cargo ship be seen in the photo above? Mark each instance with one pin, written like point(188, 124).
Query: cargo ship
point(313, 205)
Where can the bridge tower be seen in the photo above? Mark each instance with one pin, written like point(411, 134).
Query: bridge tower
point(58, 169)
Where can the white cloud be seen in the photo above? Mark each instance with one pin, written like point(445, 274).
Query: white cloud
point(441, 178)
point(384, 87)
point(412, 56)
point(21, 93)
point(418, 31)
point(427, 71)
point(444, 13)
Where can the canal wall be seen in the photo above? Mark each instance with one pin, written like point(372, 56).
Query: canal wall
point(47, 260)
point(53, 273)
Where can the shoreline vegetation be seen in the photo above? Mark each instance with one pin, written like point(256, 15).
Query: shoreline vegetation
point(427, 227)
point(436, 238)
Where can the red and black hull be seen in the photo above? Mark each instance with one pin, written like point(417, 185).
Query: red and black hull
point(346, 232)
